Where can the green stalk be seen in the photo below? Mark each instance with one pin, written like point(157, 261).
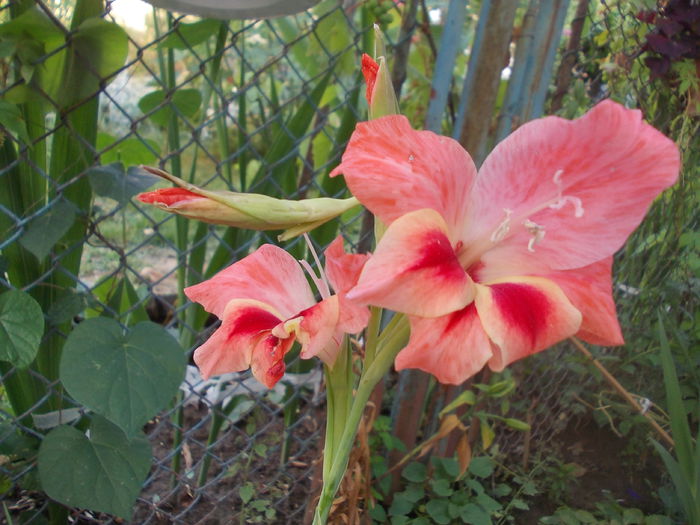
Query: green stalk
point(339, 385)
point(389, 344)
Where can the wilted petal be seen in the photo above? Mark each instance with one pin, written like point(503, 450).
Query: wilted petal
point(415, 270)
point(524, 315)
point(244, 324)
point(269, 275)
point(453, 347)
point(584, 184)
point(393, 169)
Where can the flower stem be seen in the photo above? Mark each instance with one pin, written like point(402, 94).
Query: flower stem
point(389, 343)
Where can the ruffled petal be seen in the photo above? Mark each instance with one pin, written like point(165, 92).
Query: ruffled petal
point(314, 328)
point(269, 275)
point(453, 347)
point(524, 315)
point(343, 271)
point(231, 347)
point(570, 191)
point(590, 291)
point(393, 169)
point(267, 364)
point(415, 270)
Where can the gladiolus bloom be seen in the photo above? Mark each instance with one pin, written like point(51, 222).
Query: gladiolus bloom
point(495, 266)
point(265, 303)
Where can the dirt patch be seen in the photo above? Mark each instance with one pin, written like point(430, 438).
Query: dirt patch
point(596, 465)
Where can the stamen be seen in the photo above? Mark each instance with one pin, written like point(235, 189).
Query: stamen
point(563, 199)
point(320, 281)
point(575, 201)
point(502, 230)
point(537, 231)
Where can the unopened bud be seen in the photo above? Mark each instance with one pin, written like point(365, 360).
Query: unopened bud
point(244, 210)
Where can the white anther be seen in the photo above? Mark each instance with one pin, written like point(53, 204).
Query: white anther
point(411, 157)
point(503, 228)
point(575, 201)
point(557, 177)
point(537, 232)
point(563, 199)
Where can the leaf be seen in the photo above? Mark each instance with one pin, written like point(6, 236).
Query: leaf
point(103, 472)
point(158, 107)
point(516, 424)
point(246, 492)
point(415, 472)
point(481, 467)
point(400, 506)
point(66, 307)
point(21, 328)
point(11, 119)
point(447, 425)
point(487, 435)
point(185, 36)
point(126, 377)
point(130, 152)
point(45, 231)
point(464, 453)
point(113, 182)
point(474, 515)
point(95, 53)
point(465, 398)
point(437, 510)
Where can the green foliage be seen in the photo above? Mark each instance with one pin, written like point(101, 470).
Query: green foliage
point(21, 328)
point(103, 471)
point(607, 512)
point(121, 185)
point(44, 231)
point(160, 106)
point(127, 377)
point(437, 494)
point(684, 465)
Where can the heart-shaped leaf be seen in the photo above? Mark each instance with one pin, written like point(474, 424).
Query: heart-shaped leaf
point(21, 327)
point(103, 472)
point(159, 108)
point(46, 230)
point(113, 182)
point(127, 377)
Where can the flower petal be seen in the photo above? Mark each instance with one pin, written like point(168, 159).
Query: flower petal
point(583, 184)
point(453, 347)
point(393, 169)
point(343, 271)
point(231, 347)
point(415, 270)
point(269, 275)
point(590, 291)
point(524, 315)
point(315, 329)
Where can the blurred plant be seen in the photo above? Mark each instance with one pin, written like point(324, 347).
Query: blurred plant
point(683, 466)
point(48, 187)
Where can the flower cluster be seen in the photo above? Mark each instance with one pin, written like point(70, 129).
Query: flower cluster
point(490, 266)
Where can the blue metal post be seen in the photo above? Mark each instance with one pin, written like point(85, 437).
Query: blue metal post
point(554, 37)
point(444, 64)
point(470, 77)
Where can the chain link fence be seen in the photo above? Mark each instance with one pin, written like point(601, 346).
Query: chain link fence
point(259, 106)
point(256, 105)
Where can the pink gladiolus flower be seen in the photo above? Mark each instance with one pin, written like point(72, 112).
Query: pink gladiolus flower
point(495, 266)
point(265, 303)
